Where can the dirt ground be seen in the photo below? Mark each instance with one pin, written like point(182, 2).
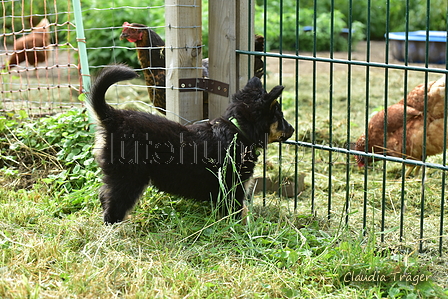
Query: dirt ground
point(377, 54)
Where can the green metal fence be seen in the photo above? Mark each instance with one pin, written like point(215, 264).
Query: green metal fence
point(378, 198)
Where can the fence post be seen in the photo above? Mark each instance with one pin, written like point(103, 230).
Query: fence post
point(80, 38)
point(229, 30)
point(183, 47)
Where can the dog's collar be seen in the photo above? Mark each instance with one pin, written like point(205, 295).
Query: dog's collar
point(234, 121)
point(237, 125)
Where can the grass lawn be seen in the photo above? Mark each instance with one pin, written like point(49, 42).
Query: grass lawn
point(173, 248)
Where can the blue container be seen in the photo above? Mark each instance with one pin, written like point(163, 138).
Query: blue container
point(417, 46)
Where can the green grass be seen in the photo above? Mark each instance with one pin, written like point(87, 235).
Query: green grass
point(171, 248)
point(54, 244)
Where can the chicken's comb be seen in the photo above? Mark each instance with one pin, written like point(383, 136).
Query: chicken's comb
point(127, 24)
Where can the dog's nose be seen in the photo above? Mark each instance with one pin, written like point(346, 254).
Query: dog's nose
point(287, 132)
point(291, 130)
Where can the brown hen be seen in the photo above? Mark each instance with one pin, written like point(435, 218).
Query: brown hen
point(414, 126)
point(151, 55)
point(31, 48)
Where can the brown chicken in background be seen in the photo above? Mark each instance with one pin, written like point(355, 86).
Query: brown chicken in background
point(37, 41)
point(414, 126)
point(152, 61)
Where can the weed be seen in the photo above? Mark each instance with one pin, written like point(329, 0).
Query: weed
point(56, 150)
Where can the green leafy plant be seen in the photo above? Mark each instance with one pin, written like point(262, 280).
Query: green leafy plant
point(102, 36)
point(56, 150)
point(391, 12)
point(312, 34)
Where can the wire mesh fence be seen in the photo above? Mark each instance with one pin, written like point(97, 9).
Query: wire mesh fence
point(38, 58)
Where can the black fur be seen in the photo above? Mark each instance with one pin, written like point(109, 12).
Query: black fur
point(135, 148)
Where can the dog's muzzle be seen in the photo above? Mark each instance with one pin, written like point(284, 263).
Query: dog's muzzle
point(287, 131)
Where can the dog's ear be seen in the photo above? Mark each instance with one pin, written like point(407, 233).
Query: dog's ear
point(274, 94)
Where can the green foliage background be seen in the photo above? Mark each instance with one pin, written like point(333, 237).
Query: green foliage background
point(104, 46)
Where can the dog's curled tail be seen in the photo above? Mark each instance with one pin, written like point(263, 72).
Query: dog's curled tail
point(104, 79)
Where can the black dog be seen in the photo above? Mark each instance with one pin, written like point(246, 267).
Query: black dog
point(194, 161)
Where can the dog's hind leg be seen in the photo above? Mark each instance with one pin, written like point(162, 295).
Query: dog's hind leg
point(119, 198)
point(234, 203)
point(240, 202)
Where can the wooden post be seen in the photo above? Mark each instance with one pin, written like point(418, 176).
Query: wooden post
point(183, 44)
point(229, 30)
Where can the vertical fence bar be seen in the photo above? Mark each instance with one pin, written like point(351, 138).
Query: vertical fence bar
point(330, 108)
point(296, 119)
point(445, 134)
point(80, 38)
point(280, 83)
point(386, 95)
point(405, 103)
point(422, 201)
point(313, 137)
point(265, 26)
point(349, 95)
point(366, 121)
point(250, 38)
